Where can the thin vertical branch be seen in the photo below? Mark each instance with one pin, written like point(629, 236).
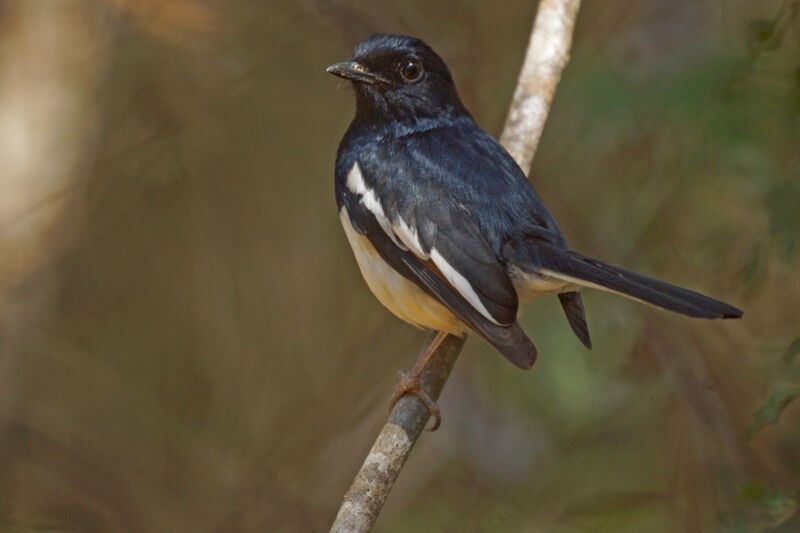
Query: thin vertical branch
point(547, 54)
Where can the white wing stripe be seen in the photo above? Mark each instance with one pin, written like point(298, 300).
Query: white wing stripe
point(410, 238)
point(461, 284)
point(355, 182)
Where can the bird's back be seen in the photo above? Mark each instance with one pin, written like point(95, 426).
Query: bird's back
point(452, 162)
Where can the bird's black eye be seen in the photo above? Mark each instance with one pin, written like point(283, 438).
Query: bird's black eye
point(411, 71)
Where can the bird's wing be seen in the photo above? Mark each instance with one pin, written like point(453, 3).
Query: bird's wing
point(442, 234)
point(461, 180)
point(437, 246)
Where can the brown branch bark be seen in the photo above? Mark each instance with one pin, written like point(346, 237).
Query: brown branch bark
point(547, 54)
point(363, 502)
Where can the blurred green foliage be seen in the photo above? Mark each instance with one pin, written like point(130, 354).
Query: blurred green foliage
point(783, 202)
point(771, 509)
point(779, 399)
point(792, 352)
point(210, 360)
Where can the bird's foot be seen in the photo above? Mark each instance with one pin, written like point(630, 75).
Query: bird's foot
point(409, 384)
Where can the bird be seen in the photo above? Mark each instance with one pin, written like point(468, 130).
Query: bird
point(447, 230)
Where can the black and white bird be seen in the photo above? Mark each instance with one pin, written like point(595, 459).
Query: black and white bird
point(448, 232)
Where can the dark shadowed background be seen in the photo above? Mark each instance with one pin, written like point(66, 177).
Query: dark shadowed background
point(195, 350)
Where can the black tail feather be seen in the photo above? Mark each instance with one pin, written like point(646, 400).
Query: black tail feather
point(571, 266)
point(572, 304)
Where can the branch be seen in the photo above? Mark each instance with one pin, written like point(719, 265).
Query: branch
point(363, 502)
point(547, 54)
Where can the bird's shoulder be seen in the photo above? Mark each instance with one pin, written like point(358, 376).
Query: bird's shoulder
point(446, 168)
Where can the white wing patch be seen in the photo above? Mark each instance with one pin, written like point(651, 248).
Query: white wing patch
point(355, 182)
point(461, 284)
point(410, 238)
point(406, 238)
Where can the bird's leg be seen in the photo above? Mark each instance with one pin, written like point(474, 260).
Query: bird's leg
point(409, 382)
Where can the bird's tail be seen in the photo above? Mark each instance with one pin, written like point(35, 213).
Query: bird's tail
point(583, 271)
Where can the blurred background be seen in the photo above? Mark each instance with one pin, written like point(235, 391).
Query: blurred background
point(186, 343)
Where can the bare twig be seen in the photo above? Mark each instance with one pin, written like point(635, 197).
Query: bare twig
point(548, 53)
point(363, 502)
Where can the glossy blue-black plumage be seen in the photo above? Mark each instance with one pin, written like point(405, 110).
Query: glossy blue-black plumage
point(425, 161)
point(418, 143)
point(455, 161)
point(430, 165)
point(417, 180)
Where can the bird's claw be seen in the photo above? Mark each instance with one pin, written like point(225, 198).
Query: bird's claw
point(409, 384)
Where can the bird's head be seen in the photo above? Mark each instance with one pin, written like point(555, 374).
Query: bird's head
point(399, 79)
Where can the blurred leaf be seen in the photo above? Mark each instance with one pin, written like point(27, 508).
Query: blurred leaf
point(760, 32)
point(775, 506)
point(764, 35)
point(769, 413)
point(782, 202)
point(753, 267)
point(791, 352)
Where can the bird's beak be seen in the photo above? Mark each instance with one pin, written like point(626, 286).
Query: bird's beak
point(350, 70)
